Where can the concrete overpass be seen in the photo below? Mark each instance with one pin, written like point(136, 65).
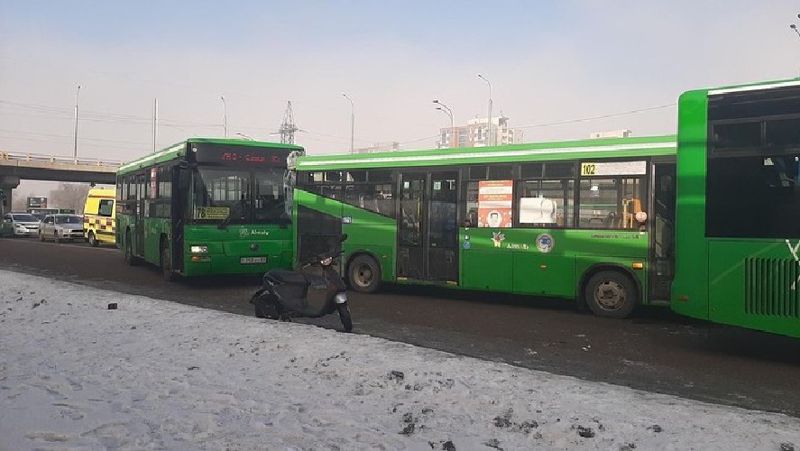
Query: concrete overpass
point(28, 166)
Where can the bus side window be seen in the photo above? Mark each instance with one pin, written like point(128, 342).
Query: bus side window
point(610, 203)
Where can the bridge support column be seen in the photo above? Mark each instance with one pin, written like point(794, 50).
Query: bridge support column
point(7, 185)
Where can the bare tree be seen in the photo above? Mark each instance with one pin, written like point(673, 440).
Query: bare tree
point(69, 195)
point(19, 203)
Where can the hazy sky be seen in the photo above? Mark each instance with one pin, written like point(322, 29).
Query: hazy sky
point(547, 61)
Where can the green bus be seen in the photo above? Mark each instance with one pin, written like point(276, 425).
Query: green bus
point(591, 219)
point(738, 206)
point(208, 206)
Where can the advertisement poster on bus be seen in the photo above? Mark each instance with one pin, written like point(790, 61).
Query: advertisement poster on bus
point(494, 203)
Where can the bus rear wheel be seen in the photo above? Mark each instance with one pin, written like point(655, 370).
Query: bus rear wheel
point(93, 240)
point(364, 274)
point(611, 294)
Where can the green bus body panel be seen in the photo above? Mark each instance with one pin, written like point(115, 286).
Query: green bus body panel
point(771, 295)
point(367, 232)
point(225, 246)
point(691, 254)
point(742, 282)
point(518, 266)
point(552, 151)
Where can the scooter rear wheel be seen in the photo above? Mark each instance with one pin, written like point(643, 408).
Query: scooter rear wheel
point(344, 315)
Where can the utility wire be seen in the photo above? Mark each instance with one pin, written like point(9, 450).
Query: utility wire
point(604, 116)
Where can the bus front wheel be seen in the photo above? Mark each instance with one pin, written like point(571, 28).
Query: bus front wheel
point(93, 240)
point(611, 294)
point(364, 274)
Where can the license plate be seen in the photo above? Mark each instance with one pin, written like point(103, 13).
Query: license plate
point(252, 260)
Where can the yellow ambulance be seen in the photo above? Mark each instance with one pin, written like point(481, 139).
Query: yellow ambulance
point(99, 216)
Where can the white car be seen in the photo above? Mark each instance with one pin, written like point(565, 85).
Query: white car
point(22, 224)
point(61, 228)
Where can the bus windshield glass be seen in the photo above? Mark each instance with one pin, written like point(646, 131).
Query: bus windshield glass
point(238, 196)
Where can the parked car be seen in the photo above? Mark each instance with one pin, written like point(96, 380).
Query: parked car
point(20, 224)
point(61, 227)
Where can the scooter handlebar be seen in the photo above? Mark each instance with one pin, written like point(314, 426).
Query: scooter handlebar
point(319, 259)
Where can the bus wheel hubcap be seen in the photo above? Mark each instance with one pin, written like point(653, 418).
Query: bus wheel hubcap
point(610, 295)
point(364, 275)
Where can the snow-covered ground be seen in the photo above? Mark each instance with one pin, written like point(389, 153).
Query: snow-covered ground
point(159, 375)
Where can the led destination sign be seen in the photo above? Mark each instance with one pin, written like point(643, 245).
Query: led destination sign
point(240, 155)
point(248, 157)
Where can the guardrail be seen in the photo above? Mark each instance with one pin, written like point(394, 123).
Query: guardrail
point(9, 156)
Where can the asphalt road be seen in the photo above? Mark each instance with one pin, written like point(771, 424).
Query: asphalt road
point(655, 350)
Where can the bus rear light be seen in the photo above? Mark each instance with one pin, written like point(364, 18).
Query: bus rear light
point(637, 265)
point(683, 298)
point(200, 259)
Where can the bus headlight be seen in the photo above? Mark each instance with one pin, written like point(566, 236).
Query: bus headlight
point(198, 249)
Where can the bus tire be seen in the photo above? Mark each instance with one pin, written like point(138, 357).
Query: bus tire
point(364, 274)
point(92, 239)
point(130, 259)
point(166, 262)
point(611, 294)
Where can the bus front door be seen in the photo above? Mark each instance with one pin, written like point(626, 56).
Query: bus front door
point(442, 243)
point(410, 227)
point(427, 227)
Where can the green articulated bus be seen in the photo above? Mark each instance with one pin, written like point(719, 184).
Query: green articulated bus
point(738, 206)
point(591, 219)
point(208, 206)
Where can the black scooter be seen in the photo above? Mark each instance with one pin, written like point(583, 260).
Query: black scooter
point(284, 294)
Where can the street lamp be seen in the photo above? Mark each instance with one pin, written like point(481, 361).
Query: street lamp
point(247, 137)
point(794, 27)
point(489, 122)
point(446, 110)
point(75, 149)
point(224, 116)
point(352, 120)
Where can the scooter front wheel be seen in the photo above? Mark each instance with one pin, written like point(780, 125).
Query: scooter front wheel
point(344, 315)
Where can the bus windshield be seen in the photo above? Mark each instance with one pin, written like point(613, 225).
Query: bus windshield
point(238, 196)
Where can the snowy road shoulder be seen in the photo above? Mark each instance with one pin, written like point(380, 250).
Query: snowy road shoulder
point(154, 374)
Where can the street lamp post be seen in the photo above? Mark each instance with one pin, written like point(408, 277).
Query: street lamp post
point(352, 120)
point(489, 122)
point(75, 148)
point(224, 116)
point(446, 110)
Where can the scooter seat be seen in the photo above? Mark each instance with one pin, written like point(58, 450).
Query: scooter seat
point(288, 277)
